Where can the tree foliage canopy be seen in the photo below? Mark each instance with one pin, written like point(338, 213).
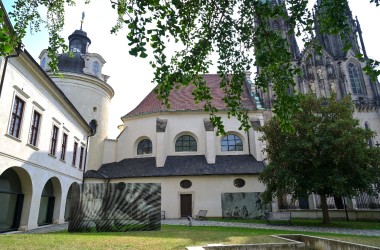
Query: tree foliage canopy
point(328, 154)
point(238, 31)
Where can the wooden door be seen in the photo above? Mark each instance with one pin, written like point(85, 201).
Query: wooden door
point(186, 206)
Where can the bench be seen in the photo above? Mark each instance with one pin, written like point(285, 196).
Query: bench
point(276, 216)
point(201, 215)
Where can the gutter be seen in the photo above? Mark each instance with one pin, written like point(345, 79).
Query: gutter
point(19, 50)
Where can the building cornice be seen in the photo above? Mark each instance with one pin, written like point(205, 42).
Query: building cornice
point(58, 95)
point(88, 79)
point(178, 112)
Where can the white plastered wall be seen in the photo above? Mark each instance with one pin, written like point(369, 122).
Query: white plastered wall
point(206, 191)
point(179, 123)
point(33, 164)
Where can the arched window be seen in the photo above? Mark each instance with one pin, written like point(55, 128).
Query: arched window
point(144, 147)
point(356, 79)
point(185, 143)
point(11, 198)
point(45, 215)
point(232, 143)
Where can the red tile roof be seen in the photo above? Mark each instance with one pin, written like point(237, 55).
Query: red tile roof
point(182, 99)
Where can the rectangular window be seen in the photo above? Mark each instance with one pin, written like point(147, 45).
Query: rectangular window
point(54, 138)
point(75, 153)
point(17, 112)
point(81, 157)
point(63, 149)
point(34, 128)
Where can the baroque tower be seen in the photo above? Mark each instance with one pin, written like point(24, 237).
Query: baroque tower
point(86, 87)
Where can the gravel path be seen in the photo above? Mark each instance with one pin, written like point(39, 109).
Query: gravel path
point(61, 227)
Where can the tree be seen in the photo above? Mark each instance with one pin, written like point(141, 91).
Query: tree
point(237, 30)
point(327, 154)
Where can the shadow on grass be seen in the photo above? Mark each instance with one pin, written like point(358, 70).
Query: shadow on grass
point(368, 225)
point(178, 237)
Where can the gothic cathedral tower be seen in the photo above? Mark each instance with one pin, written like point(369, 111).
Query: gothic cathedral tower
point(338, 71)
point(333, 70)
point(86, 87)
point(281, 26)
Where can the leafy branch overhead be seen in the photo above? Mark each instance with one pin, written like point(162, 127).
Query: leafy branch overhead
point(237, 31)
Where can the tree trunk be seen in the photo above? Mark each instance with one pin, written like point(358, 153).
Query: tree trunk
point(325, 210)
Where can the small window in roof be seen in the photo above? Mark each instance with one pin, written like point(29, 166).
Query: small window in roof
point(185, 143)
point(232, 142)
point(43, 63)
point(96, 68)
point(144, 147)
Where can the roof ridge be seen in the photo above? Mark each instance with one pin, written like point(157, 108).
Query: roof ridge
point(181, 99)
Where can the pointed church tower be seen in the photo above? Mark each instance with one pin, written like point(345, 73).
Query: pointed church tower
point(86, 87)
point(334, 43)
point(280, 25)
point(335, 70)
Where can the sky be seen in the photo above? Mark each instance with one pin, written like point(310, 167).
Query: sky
point(131, 77)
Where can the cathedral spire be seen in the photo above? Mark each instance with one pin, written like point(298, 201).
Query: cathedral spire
point(359, 29)
point(336, 44)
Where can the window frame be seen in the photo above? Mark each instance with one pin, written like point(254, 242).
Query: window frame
point(75, 151)
point(228, 145)
point(14, 116)
point(184, 147)
point(34, 128)
point(356, 79)
point(150, 146)
point(81, 158)
point(54, 140)
point(64, 146)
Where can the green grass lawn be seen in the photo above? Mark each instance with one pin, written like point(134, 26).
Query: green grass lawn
point(370, 225)
point(169, 237)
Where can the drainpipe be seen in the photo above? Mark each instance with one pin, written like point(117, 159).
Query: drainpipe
point(19, 49)
point(93, 125)
point(249, 143)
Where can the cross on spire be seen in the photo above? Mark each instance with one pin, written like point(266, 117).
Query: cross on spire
point(81, 21)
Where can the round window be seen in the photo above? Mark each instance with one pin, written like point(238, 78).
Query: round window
point(185, 184)
point(239, 183)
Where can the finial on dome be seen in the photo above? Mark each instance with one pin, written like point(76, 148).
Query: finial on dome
point(81, 21)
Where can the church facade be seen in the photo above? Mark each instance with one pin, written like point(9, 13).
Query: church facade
point(334, 71)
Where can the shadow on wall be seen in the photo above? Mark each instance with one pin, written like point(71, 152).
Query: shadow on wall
point(243, 205)
point(117, 207)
